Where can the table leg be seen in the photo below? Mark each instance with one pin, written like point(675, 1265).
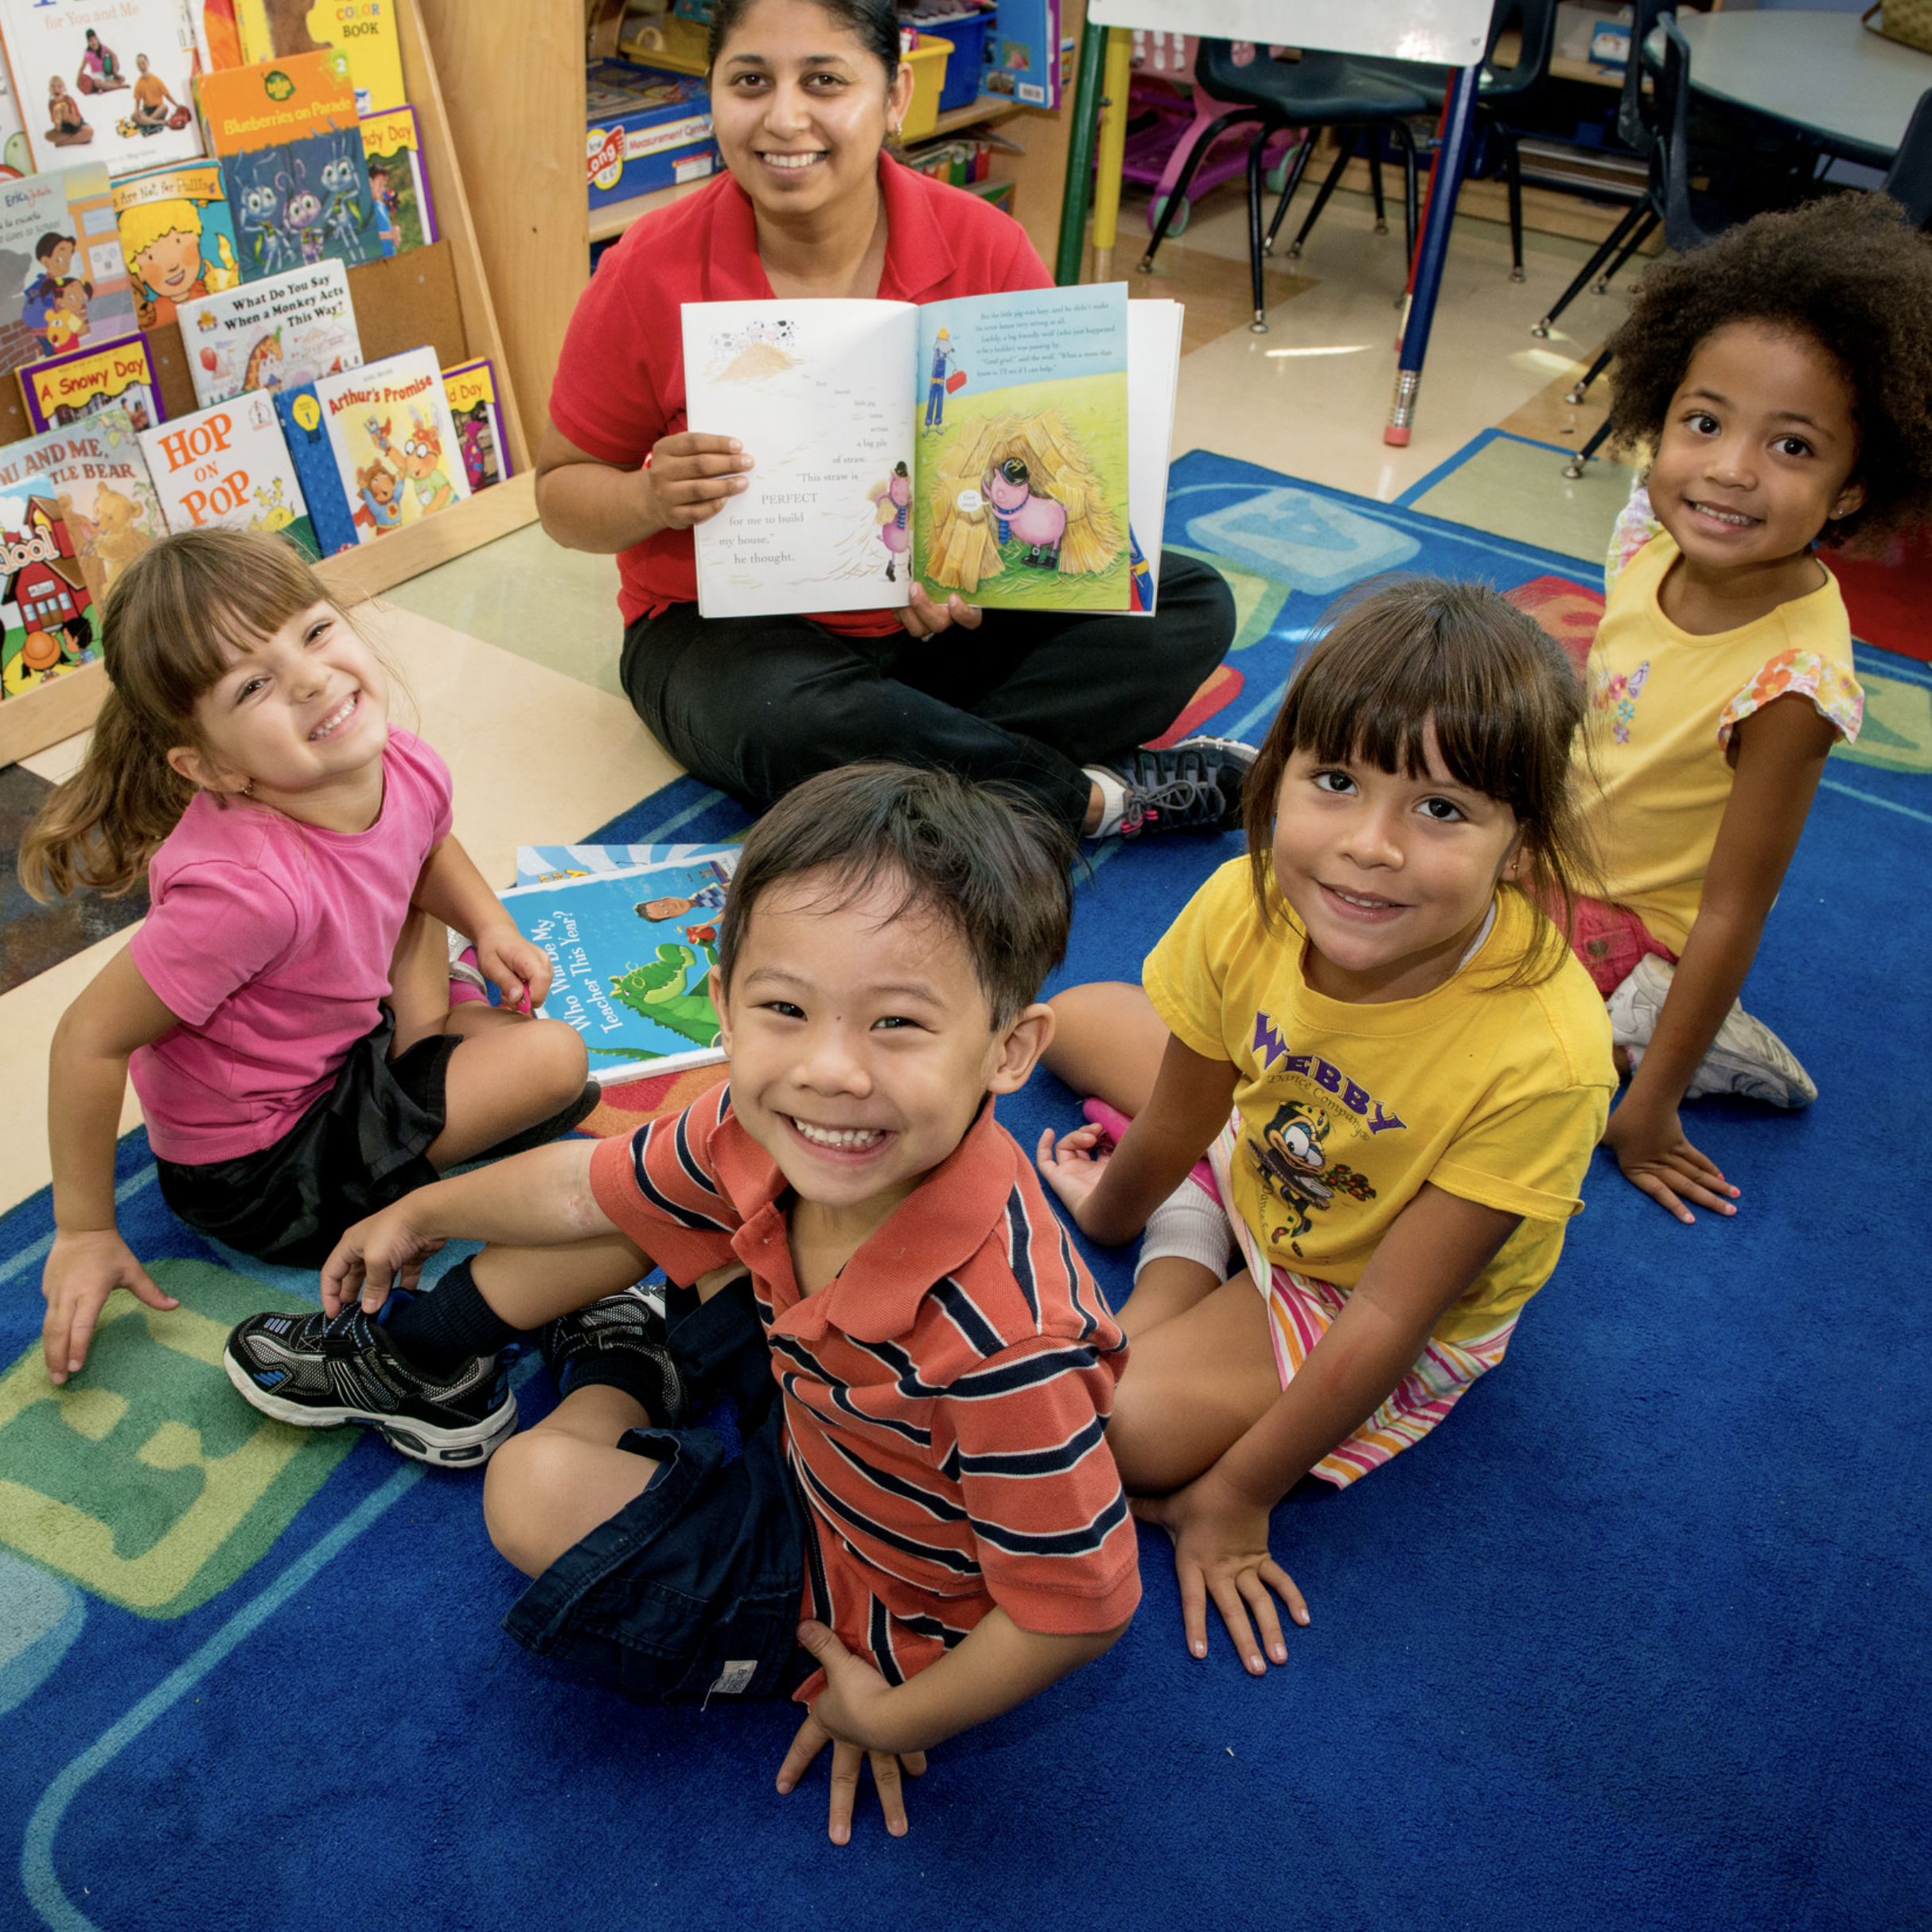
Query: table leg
point(1432, 251)
point(1117, 72)
point(1085, 119)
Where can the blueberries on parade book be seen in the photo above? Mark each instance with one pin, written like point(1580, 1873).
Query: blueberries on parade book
point(631, 952)
point(113, 80)
point(364, 30)
point(376, 449)
point(63, 283)
point(85, 381)
point(228, 465)
point(176, 235)
point(398, 183)
point(273, 334)
point(472, 393)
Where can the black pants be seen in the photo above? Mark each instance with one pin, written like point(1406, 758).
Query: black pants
point(755, 706)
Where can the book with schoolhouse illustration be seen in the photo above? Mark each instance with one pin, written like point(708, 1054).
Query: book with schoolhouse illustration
point(376, 449)
point(106, 84)
point(176, 237)
point(228, 465)
point(84, 382)
point(631, 952)
point(275, 333)
point(63, 284)
point(399, 182)
point(47, 622)
point(471, 388)
point(1009, 449)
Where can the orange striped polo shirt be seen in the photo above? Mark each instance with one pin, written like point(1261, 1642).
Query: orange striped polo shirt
point(946, 1397)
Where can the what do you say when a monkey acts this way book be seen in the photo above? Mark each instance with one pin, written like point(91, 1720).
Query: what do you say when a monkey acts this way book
point(1010, 450)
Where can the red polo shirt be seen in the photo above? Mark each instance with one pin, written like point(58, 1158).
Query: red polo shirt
point(620, 383)
point(946, 1397)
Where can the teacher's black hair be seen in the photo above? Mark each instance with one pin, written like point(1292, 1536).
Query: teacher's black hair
point(873, 23)
point(1850, 273)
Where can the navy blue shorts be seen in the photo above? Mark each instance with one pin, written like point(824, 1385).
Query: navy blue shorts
point(693, 1589)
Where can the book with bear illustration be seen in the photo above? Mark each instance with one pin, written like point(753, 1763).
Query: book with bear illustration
point(275, 333)
point(631, 952)
point(1010, 450)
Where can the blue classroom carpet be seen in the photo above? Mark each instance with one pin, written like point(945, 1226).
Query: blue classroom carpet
point(1637, 1639)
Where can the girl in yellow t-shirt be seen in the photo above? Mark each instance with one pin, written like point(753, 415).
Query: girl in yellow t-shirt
point(1394, 1065)
point(1781, 379)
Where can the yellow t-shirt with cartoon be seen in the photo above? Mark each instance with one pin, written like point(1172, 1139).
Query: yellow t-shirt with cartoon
point(1496, 1093)
point(1663, 706)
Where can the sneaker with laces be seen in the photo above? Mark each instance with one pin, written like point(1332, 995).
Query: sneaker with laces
point(319, 1373)
point(1193, 785)
point(628, 1330)
point(1747, 1058)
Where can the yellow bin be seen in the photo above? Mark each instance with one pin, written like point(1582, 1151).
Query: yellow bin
point(928, 61)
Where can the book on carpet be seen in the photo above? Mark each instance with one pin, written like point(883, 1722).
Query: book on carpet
point(544, 865)
point(398, 183)
point(93, 473)
point(276, 333)
point(63, 283)
point(115, 81)
point(631, 953)
point(176, 237)
point(62, 389)
point(375, 448)
point(228, 465)
point(471, 388)
point(984, 446)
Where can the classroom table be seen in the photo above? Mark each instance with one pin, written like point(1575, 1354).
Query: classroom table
point(1823, 75)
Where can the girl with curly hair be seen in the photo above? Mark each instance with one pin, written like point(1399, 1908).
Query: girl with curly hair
point(1781, 381)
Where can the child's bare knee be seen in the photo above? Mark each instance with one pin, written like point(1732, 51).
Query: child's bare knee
point(562, 1057)
point(522, 1484)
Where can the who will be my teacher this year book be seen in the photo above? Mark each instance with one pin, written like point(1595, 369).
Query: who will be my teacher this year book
point(1009, 448)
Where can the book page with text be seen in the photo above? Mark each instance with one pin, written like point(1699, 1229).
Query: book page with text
point(819, 393)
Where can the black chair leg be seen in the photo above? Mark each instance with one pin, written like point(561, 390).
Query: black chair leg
point(1637, 240)
point(1590, 375)
point(1633, 219)
point(1344, 154)
point(1512, 162)
point(1258, 325)
point(1409, 206)
point(1297, 168)
point(1197, 154)
point(1574, 468)
point(1375, 179)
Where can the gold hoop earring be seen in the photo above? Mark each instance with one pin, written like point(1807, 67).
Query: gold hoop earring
point(247, 790)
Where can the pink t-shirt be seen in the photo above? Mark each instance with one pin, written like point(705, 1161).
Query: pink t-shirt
point(271, 941)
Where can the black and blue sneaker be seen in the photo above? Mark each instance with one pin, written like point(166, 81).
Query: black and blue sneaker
point(319, 1373)
point(1193, 785)
point(622, 1341)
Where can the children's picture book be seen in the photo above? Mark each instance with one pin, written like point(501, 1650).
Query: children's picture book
point(306, 435)
point(276, 333)
point(1023, 53)
point(177, 236)
point(273, 103)
point(113, 80)
point(217, 39)
point(392, 449)
point(113, 376)
point(631, 952)
point(981, 446)
point(364, 30)
point(399, 182)
point(93, 473)
point(228, 465)
point(46, 609)
point(544, 865)
point(14, 159)
point(472, 393)
point(63, 283)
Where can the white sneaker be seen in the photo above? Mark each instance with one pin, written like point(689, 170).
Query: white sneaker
point(463, 969)
point(1746, 1058)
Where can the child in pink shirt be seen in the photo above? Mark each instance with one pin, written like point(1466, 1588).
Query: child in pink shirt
point(285, 1010)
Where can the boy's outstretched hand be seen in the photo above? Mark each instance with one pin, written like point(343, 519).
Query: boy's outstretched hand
point(83, 1269)
point(385, 1250)
point(853, 1689)
point(1220, 1551)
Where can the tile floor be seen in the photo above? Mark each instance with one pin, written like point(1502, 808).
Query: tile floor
point(510, 654)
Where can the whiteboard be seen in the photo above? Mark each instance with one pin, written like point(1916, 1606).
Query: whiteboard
point(1450, 32)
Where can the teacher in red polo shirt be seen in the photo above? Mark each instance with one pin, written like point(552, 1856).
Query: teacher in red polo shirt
point(803, 95)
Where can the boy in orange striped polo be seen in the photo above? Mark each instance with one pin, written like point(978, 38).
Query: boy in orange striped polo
point(926, 1482)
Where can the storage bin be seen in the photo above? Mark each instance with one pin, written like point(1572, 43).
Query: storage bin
point(968, 33)
point(928, 61)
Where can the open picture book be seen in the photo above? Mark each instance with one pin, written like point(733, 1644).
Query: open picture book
point(1010, 448)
